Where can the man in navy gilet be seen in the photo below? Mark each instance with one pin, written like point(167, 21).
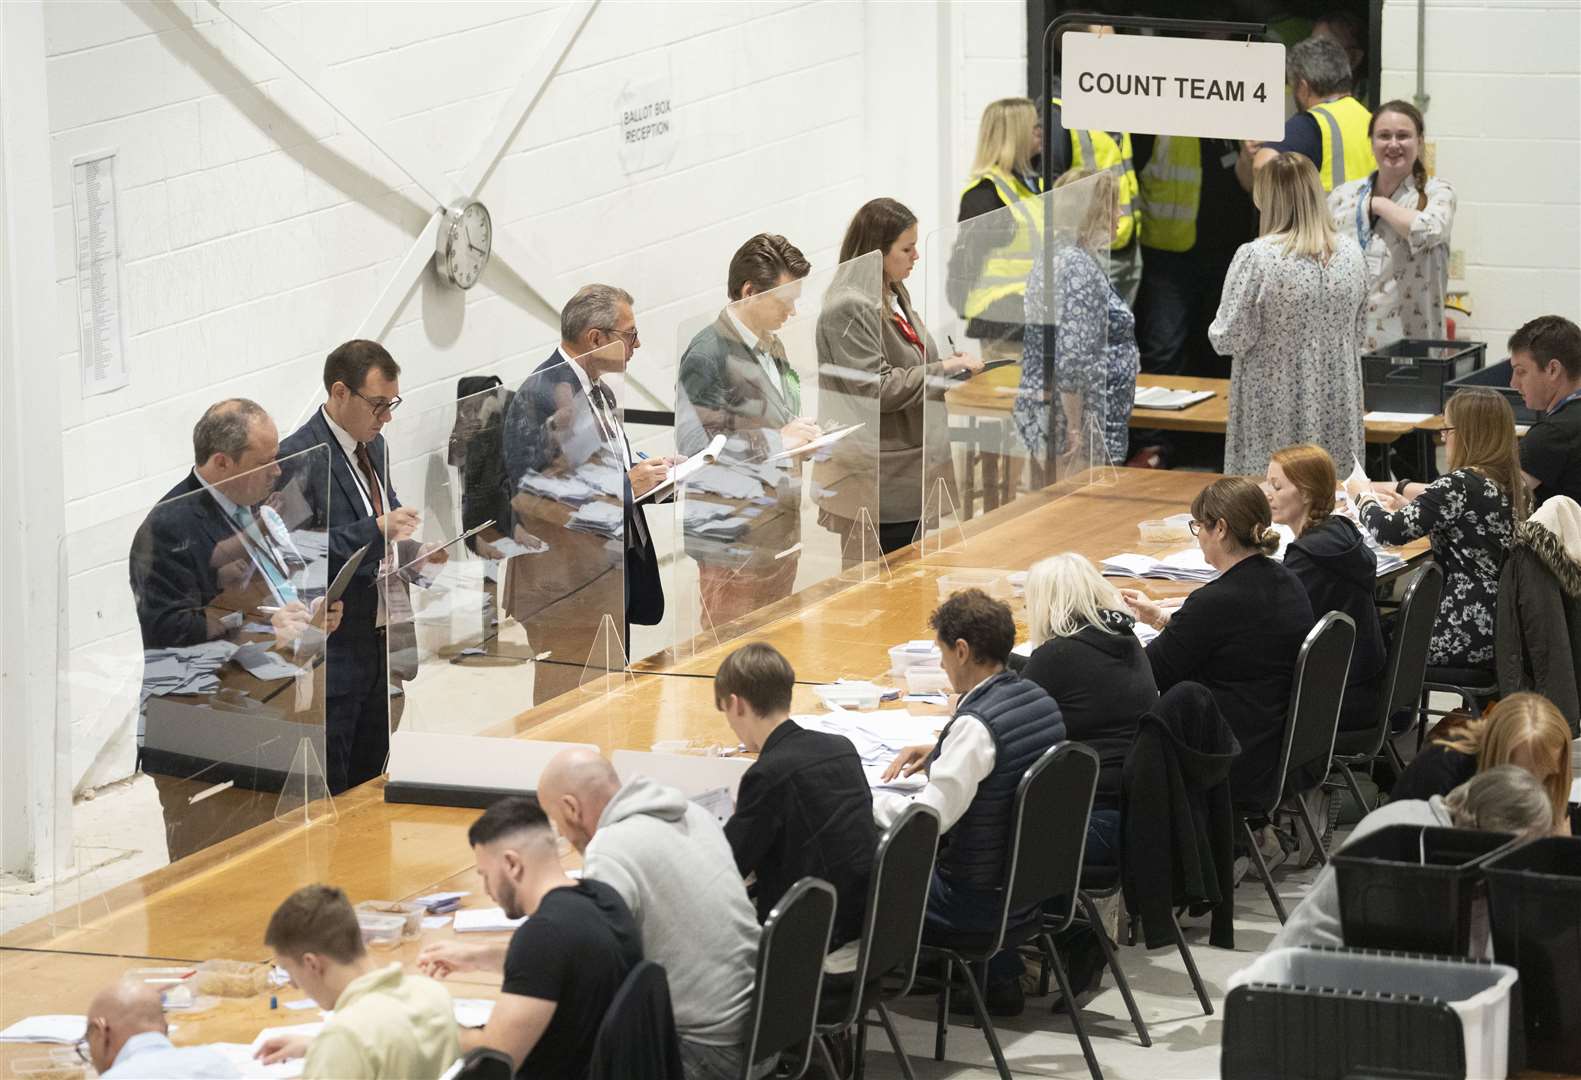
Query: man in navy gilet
point(1002, 724)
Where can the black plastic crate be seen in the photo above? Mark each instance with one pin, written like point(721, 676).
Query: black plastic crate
point(1409, 375)
point(1534, 902)
point(1493, 377)
point(1411, 887)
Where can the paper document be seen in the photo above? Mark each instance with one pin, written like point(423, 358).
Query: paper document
point(473, 1012)
point(716, 801)
point(1162, 397)
point(290, 1029)
point(241, 1058)
point(440, 901)
point(483, 920)
point(828, 438)
point(906, 785)
point(679, 474)
point(1399, 417)
point(55, 1028)
point(448, 543)
point(263, 663)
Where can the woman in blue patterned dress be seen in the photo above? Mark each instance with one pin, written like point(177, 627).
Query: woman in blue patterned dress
point(1093, 333)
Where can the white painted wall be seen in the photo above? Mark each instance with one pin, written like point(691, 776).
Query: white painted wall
point(1504, 82)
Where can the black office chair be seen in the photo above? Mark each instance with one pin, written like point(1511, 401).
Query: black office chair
point(481, 1063)
point(1101, 883)
point(1401, 688)
point(1048, 834)
point(636, 1040)
point(886, 962)
point(791, 949)
point(1310, 727)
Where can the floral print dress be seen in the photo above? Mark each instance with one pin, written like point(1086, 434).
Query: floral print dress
point(1469, 520)
point(1407, 276)
point(1095, 359)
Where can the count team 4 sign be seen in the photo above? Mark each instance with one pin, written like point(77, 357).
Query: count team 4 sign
point(1173, 86)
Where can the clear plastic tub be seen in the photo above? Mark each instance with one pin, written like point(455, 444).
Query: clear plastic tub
point(231, 978)
point(927, 680)
point(902, 658)
point(380, 931)
point(412, 913)
point(1170, 530)
point(995, 583)
point(1277, 1003)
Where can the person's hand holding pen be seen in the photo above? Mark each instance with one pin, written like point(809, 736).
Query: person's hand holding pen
point(649, 472)
point(799, 432)
point(959, 363)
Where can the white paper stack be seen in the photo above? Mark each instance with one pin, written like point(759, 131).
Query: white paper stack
point(878, 737)
point(55, 1028)
point(484, 920)
point(1162, 397)
point(603, 518)
point(1185, 565)
point(193, 669)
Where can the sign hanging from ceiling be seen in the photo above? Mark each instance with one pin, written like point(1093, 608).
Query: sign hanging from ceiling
point(1173, 86)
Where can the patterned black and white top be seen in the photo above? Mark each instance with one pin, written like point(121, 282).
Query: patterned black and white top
point(1470, 522)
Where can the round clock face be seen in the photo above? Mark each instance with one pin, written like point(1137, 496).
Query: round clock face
point(466, 238)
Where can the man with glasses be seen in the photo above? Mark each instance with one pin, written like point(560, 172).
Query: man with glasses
point(127, 1037)
point(362, 387)
point(575, 478)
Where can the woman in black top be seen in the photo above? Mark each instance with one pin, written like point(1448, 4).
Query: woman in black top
point(1336, 567)
point(1086, 655)
point(1239, 634)
point(1469, 515)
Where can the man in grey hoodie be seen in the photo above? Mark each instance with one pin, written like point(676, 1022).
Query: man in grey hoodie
point(670, 862)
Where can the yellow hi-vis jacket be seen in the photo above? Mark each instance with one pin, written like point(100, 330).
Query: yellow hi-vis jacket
point(1006, 271)
point(1347, 148)
point(1097, 150)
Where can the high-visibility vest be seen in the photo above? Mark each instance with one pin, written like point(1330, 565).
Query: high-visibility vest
point(1098, 150)
point(1347, 148)
point(1006, 271)
point(1170, 189)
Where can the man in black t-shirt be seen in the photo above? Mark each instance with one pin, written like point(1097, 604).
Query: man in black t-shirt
point(1545, 367)
point(562, 966)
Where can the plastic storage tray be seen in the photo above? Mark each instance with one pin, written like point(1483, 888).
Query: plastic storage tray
point(995, 583)
point(1534, 901)
point(231, 978)
point(1335, 1013)
point(55, 1065)
point(412, 913)
point(902, 658)
point(380, 931)
point(1494, 377)
point(1412, 888)
point(1410, 375)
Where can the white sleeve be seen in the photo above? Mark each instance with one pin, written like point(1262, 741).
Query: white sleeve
point(965, 759)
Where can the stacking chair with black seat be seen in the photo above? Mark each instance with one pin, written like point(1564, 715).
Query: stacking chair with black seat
point(1101, 883)
point(791, 949)
point(1048, 835)
point(636, 1039)
point(1311, 725)
point(481, 1063)
point(886, 961)
point(1401, 688)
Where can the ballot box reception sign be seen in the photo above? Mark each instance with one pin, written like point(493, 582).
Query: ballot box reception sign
point(1173, 86)
point(647, 124)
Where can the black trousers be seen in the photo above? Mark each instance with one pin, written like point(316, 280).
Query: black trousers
point(357, 727)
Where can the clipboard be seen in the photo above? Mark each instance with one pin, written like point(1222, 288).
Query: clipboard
point(343, 579)
point(469, 534)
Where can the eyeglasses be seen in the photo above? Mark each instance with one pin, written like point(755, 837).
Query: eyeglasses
point(1443, 434)
point(380, 406)
point(1195, 526)
point(81, 1047)
point(635, 337)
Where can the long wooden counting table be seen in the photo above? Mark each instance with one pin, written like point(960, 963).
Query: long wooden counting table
point(215, 904)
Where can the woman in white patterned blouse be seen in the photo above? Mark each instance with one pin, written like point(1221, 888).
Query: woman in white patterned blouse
point(1401, 219)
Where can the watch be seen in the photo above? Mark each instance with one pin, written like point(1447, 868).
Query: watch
point(1399, 489)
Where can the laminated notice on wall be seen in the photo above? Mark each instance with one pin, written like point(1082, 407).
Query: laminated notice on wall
point(647, 125)
point(101, 351)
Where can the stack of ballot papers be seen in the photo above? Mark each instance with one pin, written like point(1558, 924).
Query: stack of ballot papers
point(602, 518)
point(1162, 397)
point(56, 1028)
point(878, 737)
point(566, 490)
point(1185, 565)
point(733, 481)
point(440, 902)
point(714, 521)
point(191, 669)
point(484, 920)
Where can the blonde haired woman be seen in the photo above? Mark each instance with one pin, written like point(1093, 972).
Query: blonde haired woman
point(993, 255)
point(1468, 514)
point(1089, 659)
point(1291, 319)
point(1523, 729)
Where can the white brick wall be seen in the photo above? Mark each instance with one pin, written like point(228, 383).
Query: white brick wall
point(1504, 82)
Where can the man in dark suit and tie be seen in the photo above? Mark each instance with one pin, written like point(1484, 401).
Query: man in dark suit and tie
point(569, 463)
point(362, 387)
point(736, 381)
point(216, 563)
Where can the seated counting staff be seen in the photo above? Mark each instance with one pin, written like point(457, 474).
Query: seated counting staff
point(1239, 634)
point(804, 807)
point(128, 1038)
point(668, 859)
point(1002, 724)
point(387, 1025)
point(1506, 799)
point(562, 966)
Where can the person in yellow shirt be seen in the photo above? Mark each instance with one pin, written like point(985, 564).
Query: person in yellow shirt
point(387, 1025)
point(1331, 128)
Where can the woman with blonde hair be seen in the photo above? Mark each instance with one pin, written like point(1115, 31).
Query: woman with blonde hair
point(1092, 331)
point(1469, 515)
point(992, 255)
point(1336, 566)
point(1087, 656)
point(1290, 318)
point(1523, 729)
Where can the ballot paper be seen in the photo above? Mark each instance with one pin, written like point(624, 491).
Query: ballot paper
point(52, 1028)
point(904, 785)
point(191, 669)
point(828, 438)
point(681, 473)
point(602, 518)
point(877, 736)
point(727, 481)
point(266, 1034)
point(241, 1058)
point(1163, 397)
point(473, 1012)
point(568, 490)
point(485, 920)
point(264, 663)
point(509, 548)
point(1185, 565)
point(716, 801)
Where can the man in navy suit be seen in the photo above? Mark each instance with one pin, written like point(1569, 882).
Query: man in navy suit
point(362, 387)
point(217, 561)
point(563, 433)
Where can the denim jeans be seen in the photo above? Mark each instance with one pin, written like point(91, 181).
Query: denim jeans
point(960, 908)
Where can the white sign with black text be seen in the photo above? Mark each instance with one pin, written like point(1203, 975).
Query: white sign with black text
point(102, 354)
point(1173, 86)
point(647, 125)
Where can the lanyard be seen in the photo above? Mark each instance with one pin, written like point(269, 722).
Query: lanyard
point(1363, 217)
point(906, 331)
point(1562, 402)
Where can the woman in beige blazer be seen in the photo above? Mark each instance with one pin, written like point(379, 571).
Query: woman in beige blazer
point(877, 361)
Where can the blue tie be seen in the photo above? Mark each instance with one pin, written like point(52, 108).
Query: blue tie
point(251, 526)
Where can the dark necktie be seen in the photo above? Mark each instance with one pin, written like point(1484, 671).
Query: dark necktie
point(375, 493)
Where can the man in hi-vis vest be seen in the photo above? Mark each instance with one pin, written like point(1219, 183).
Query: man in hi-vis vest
point(1111, 150)
point(1331, 128)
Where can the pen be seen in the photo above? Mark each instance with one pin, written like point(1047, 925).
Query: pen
point(267, 609)
point(951, 340)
